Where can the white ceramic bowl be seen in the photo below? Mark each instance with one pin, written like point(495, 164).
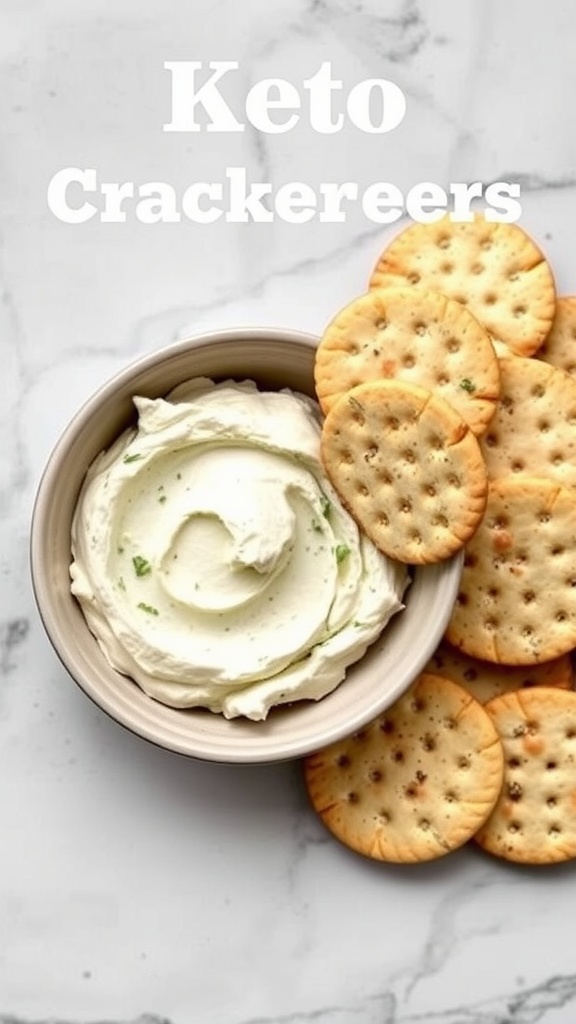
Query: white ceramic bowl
point(273, 359)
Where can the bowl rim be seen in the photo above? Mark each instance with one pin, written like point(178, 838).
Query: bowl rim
point(283, 749)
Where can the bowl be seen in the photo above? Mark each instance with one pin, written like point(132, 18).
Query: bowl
point(274, 359)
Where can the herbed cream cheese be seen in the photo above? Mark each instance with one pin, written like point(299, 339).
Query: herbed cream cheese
point(213, 560)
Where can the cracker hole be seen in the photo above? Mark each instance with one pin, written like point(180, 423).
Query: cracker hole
point(421, 777)
point(506, 402)
point(387, 726)
point(435, 442)
point(490, 625)
point(424, 824)
point(556, 458)
point(557, 550)
point(528, 596)
point(462, 599)
point(450, 796)
point(343, 760)
point(454, 480)
point(442, 380)
point(470, 674)
point(444, 242)
point(538, 391)
point(527, 631)
point(360, 736)
point(544, 517)
point(385, 817)
point(362, 490)
point(398, 756)
point(477, 268)
point(353, 797)
point(417, 704)
point(551, 801)
point(514, 791)
point(490, 298)
point(555, 830)
point(428, 742)
point(519, 310)
point(420, 328)
point(430, 490)
point(416, 537)
point(383, 519)
point(405, 505)
point(543, 426)
point(493, 593)
point(392, 423)
point(514, 827)
point(453, 345)
point(490, 440)
point(486, 243)
point(449, 722)
point(570, 733)
point(375, 775)
point(513, 276)
point(381, 324)
point(446, 267)
point(463, 762)
point(409, 456)
point(551, 765)
point(517, 466)
point(414, 277)
point(470, 560)
point(346, 457)
point(384, 477)
point(371, 453)
point(411, 790)
point(409, 361)
point(561, 616)
point(514, 762)
point(440, 520)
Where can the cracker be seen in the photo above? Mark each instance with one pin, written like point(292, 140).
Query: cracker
point(414, 335)
point(494, 269)
point(485, 680)
point(533, 821)
point(559, 347)
point(517, 599)
point(407, 467)
point(417, 782)
point(533, 431)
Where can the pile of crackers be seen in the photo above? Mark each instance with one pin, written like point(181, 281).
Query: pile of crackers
point(449, 394)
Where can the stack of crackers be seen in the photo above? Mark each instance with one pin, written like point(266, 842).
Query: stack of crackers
point(449, 394)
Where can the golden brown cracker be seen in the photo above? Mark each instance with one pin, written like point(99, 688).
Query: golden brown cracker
point(534, 820)
point(495, 269)
point(517, 599)
point(559, 347)
point(534, 429)
point(485, 679)
point(414, 784)
point(407, 467)
point(415, 335)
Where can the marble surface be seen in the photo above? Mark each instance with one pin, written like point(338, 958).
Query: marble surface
point(137, 887)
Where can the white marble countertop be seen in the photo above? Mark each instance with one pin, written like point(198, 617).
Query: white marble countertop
point(137, 886)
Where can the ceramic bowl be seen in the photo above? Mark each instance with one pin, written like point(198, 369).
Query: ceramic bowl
point(273, 359)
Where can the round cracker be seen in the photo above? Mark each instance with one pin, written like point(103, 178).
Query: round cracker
point(414, 784)
point(494, 269)
point(533, 821)
point(414, 335)
point(485, 680)
point(533, 429)
point(517, 599)
point(559, 347)
point(407, 467)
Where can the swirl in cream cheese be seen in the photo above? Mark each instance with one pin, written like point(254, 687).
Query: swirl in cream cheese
point(213, 560)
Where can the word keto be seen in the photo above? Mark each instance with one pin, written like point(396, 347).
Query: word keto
point(239, 201)
point(282, 97)
point(274, 106)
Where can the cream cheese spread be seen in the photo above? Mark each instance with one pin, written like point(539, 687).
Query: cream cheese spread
point(213, 560)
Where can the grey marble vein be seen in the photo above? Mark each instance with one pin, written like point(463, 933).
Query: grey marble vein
point(13, 633)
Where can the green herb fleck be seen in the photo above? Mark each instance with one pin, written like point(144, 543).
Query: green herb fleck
point(148, 608)
point(131, 458)
point(468, 385)
point(162, 499)
point(325, 505)
point(120, 549)
point(141, 565)
point(121, 584)
point(316, 526)
point(342, 551)
point(355, 404)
